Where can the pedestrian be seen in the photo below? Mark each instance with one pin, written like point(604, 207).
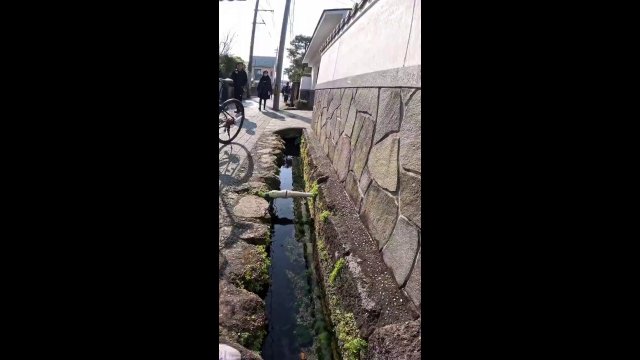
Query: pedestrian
point(286, 90)
point(264, 90)
point(239, 77)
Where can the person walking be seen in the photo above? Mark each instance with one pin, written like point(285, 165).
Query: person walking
point(286, 90)
point(239, 77)
point(264, 90)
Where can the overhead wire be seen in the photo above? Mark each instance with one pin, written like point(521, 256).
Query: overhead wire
point(265, 26)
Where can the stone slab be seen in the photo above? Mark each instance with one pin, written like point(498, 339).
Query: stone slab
point(251, 206)
point(389, 111)
point(396, 341)
point(342, 158)
point(379, 214)
point(414, 284)
point(400, 252)
point(383, 162)
point(410, 197)
point(410, 135)
point(363, 146)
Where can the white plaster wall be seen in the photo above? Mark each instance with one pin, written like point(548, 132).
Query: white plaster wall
point(305, 83)
point(413, 50)
point(327, 65)
point(314, 75)
point(315, 67)
point(383, 38)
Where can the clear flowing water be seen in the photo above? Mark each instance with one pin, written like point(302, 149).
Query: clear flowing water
point(294, 302)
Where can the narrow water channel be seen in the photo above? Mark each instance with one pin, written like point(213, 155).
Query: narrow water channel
point(297, 325)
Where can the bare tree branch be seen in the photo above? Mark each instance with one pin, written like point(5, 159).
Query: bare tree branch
point(224, 46)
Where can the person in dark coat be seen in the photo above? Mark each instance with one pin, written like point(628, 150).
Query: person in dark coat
point(286, 91)
point(239, 77)
point(264, 90)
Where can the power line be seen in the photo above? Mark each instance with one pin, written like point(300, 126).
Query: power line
point(266, 28)
point(273, 22)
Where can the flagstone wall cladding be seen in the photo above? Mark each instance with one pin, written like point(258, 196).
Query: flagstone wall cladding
point(372, 137)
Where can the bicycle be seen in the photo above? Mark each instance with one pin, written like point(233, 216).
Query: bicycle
point(229, 125)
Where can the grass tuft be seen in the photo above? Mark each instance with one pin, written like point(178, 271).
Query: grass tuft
point(325, 215)
point(336, 270)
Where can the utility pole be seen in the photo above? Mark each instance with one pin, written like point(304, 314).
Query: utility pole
point(253, 36)
point(283, 35)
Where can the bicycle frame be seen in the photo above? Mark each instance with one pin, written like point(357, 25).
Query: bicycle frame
point(225, 119)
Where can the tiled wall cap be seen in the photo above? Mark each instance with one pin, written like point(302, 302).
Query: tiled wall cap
point(342, 24)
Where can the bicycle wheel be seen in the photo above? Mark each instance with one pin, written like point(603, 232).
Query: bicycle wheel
point(230, 119)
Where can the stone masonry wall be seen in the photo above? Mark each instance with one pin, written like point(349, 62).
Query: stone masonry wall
point(372, 138)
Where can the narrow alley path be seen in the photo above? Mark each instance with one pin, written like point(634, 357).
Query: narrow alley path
point(232, 156)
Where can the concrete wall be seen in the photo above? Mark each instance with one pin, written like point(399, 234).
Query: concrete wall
point(384, 35)
point(372, 138)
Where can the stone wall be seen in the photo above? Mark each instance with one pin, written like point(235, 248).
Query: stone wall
point(372, 138)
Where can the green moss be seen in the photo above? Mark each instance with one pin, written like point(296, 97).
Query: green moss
point(322, 249)
point(252, 341)
point(347, 333)
point(336, 270)
point(262, 249)
point(333, 301)
point(259, 190)
point(309, 187)
point(256, 276)
point(303, 335)
point(325, 215)
point(353, 348)
point(267, 239)
point(314, 190)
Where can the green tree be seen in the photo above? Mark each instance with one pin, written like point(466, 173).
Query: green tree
point(296, 53)
point(226, 60)
point(227, 63)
